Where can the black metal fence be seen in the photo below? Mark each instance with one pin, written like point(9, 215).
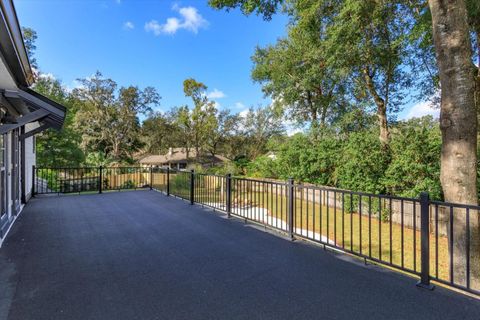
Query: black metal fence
point(89, 179)
point(434, 240)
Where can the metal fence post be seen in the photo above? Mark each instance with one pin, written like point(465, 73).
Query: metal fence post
point(100, 180)
point(33, 181)
point(229, 194)
point(290, 207)
point(168, 181)
point(192, 187)
point(151, 177)
point(425, 242)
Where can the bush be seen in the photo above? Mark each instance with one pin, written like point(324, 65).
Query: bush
point(362, 163)
point(415, 165)
point(262, 167)
point(129, 184)
point(309, 159)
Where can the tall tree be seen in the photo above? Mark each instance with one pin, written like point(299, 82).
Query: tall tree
point(108, 119)
point(58, 148)
point(362, 41)
point(222, 133)
point(367, 40)
point(258, 126)
point(458, 119)
point(296, 76)
point(158, 133)
point(203, 121)
point(29, 38)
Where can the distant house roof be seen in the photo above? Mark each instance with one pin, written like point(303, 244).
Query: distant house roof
point(179, 155)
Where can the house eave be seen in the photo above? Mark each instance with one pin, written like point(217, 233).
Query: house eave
point(13, 49)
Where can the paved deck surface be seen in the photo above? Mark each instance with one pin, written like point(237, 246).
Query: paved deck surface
point(142, 255)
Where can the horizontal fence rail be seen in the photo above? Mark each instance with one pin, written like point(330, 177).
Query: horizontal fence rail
point(431, 239)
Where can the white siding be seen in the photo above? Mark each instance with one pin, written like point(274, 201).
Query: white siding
point(30, 160)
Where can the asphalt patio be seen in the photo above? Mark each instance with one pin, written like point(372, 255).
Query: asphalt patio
point(142, 255)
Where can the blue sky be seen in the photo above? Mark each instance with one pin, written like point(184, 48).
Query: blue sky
point(152, 43)
point(155, 43)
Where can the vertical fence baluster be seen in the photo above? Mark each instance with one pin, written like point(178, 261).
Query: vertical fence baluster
point(370, 226)
point(33, 182)
point(334, 218)
point(343, 220)
point(425, 242)
point(168, 181)
point(229, 194)
point(379, 228)
point(467, 236)
point(451, 246)
point(100, 179)
point(290, 208)
point(402, 236)
point(360, 222)
point(390, 228)
point(436, 241)
point(351, 222)
point(151, 177)
point(328, 218)
point(192, 187)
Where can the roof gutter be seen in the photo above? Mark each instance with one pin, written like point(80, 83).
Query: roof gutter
point(13, 48)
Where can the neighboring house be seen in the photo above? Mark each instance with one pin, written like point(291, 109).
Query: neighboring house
point(23, 113)
point(177, 158)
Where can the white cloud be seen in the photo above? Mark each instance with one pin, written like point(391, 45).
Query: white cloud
point(153, 26)
point(128, 25)
point(189, 20)
point(49, 76)
point(75, 84)
point(216, 94)
point(422, 109)
point(239, 105)
point(244, 113)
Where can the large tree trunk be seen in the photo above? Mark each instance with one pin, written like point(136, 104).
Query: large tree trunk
point(458, 123)
point(381, 109)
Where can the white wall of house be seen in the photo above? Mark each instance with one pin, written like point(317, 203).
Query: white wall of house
point(30, 159)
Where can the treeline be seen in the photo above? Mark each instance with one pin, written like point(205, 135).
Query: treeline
point(353, 159)
point(103, 125)
point(208, 130)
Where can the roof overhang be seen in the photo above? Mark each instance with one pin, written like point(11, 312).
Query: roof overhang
point(12, 46)
point(31, 106)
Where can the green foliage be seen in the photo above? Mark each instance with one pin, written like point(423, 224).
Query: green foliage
point(58, 148)
point(129, 184)
point(262, 167)
point(266, 8)
point(415, 165)
point(309, 160)
point(29, 38)
point(107, 118)
point(180, 183)
point(96, 159)
point(362, 163)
